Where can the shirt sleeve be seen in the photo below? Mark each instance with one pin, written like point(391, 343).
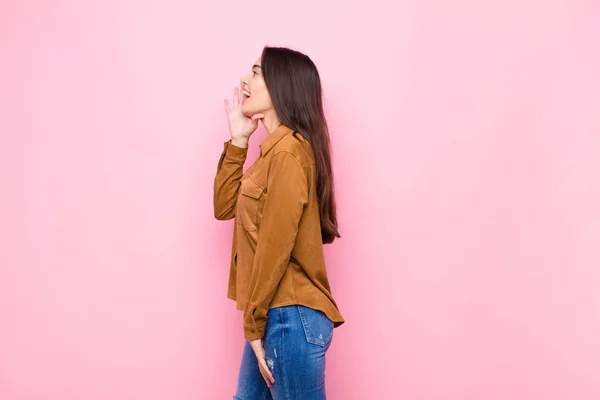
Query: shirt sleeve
point(227, 180)
point(287, 195)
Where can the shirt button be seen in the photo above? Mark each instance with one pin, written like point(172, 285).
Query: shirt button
point(253, 331)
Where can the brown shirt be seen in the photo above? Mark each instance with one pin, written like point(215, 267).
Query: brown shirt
point(277, 251)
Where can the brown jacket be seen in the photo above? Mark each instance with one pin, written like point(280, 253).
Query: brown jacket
point(277, 251)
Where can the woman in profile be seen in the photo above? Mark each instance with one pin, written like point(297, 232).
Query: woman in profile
point(284, 212)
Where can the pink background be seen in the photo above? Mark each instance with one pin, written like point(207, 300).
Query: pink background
point(467, 159)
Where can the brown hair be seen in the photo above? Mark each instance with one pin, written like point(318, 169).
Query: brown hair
point(294, 85)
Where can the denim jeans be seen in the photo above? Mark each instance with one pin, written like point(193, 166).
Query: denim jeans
point(296, 339)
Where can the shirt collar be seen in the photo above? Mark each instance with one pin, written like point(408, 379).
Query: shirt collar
point(279, 133)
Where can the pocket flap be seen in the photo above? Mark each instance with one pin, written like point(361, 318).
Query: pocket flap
point(253, 190)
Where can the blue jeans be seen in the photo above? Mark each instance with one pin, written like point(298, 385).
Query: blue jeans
point(296, 339)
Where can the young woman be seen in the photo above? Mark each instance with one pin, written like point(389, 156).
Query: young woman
point(284, 212)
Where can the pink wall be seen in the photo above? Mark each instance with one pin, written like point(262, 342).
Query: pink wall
point(467, 157)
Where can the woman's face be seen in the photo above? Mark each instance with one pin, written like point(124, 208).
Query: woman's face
point(256, 96)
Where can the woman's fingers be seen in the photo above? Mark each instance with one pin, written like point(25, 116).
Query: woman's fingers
point(227, 107)
point(266, 373)
point(260, 368)
point(265, 378)
point(264, 362)
point(241, 94)
point(236, 97)
point(265, 369)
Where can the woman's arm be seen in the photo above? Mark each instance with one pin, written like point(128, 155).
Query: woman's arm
point(227, 180)
point(287, 194)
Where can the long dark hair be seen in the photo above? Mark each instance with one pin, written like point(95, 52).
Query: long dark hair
point(294, 85)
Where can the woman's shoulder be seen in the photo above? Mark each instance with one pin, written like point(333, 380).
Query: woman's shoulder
point(298, 146)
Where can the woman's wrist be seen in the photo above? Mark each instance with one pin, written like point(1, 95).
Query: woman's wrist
point(239, 143)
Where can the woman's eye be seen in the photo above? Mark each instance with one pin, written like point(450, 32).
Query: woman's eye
point(254, 72)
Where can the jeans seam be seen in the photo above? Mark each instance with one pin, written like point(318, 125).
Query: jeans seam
point(281, 324)
point(304, 328)
point(331, 334)
point(281, 357)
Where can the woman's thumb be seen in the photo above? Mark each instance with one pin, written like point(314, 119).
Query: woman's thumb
point(257, 116)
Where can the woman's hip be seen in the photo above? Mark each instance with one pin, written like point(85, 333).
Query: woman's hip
point(296, 341)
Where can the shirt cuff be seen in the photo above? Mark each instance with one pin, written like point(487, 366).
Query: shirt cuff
point(235, 153)
point(256, 332)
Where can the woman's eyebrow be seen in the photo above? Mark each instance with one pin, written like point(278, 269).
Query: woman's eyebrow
point(256, 66)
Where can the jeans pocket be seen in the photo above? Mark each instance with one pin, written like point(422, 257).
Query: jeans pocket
point(318, 328)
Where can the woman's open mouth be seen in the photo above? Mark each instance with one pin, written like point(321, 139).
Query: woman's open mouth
point(246, 94)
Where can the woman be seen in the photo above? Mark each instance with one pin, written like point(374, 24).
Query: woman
point(284, 212)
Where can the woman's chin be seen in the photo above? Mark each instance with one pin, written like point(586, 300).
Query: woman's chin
point(247, 112)
point(244, 110)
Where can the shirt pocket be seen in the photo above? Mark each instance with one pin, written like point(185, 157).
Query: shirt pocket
point(248, 203)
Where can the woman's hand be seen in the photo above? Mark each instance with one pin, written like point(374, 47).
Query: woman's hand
point(240, 126)
point(259, 351)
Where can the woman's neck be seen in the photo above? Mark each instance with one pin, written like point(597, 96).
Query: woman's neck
point(270, 122)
